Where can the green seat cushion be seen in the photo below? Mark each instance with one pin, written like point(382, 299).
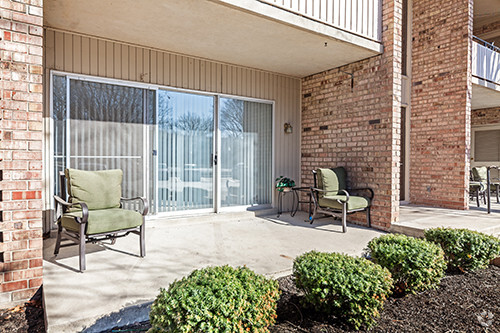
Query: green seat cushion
point(98, 189)
point(354, 203)
point(103, 220)
point(332, 180)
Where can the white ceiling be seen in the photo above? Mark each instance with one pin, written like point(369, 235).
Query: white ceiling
point(483, 97)
point(211, 30)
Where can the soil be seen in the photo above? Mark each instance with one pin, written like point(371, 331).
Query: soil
point(463, 303)
point(27, 318)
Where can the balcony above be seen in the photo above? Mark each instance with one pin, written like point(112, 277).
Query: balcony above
point(485, 75)
point(298, 39)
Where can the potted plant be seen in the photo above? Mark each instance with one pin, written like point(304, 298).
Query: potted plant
point(284, 184)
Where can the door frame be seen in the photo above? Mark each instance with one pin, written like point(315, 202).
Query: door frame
point(150, 160)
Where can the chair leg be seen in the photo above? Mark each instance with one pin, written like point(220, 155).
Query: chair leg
point(313, 216)
point(344, 217)
point(477, 198)
point(58, 239)
point(368, 218)
point(82, 247)
point(142, 238)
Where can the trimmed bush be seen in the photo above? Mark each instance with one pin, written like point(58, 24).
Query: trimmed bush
point(216, 299)
point(464, 249)
point(353, 289)
point(415, 264)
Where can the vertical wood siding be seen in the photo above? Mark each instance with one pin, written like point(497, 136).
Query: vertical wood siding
point(93, 56)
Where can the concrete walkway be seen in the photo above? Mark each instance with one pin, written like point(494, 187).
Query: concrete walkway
point(413, 220)
point(119, 283)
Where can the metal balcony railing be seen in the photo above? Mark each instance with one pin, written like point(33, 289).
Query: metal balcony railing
point(485, 61)
point(361, 17)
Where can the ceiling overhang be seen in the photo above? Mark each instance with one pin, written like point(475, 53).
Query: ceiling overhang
point(260, 36)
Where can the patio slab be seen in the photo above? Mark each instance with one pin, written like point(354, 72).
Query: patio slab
point(118, 279)
point(413, 220)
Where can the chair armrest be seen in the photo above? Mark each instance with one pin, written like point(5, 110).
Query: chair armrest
point(372, 194)
point(83, 206)
point(145, 205)
point(314, 189)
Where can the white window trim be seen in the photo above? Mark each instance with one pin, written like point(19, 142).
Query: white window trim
point(480, 128)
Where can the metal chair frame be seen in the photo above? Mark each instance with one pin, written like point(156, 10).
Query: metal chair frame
point(80, 237)
point(338, 213)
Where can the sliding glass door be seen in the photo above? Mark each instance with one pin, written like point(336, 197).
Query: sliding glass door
point(245, 152)
point(185, 151)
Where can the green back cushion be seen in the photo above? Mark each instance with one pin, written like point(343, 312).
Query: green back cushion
point(480, 173)
point(332, 180)
point(98, 189)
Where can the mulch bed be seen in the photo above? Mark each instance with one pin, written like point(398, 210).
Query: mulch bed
point(27, 318)
point(463, 303)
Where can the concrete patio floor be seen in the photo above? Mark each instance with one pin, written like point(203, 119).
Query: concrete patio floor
point(119, 283)
point(413, 220)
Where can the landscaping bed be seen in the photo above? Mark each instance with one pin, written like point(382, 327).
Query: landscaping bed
point(462, 303)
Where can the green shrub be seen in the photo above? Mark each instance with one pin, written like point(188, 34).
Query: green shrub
point(465, 249)
point(216, 299)
point(353, 289)
point(415, 264)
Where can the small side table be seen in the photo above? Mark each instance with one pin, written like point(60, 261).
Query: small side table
point(296, 199)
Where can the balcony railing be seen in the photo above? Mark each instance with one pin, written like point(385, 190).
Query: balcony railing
point(361, 17)
point(485, 61)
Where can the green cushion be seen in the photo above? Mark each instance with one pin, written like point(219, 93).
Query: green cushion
point(332, 180)
point(98, 189)
point(103, 220)
point(354, 202)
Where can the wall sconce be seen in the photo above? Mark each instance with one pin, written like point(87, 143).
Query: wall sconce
point(288, 128)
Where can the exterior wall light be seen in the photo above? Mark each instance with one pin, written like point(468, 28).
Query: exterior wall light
point(288, 128)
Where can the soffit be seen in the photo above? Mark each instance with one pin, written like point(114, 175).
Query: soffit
point(207, 29)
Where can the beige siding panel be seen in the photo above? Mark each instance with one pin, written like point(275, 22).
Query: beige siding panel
point(87, 55)
point(117, 62)
point(101, 57)
point(94, 57)
point(77, 54)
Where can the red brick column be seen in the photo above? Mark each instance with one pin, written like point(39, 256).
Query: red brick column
point(21, 39)
point(441, 103)
point(359, 129)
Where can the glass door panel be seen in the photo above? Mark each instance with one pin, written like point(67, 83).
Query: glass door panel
point(185, 151)
point(246, 152)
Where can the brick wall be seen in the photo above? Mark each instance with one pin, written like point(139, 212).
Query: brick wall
point(441, 99)
point(485, 116)
point(21, 37)
point(359, 129)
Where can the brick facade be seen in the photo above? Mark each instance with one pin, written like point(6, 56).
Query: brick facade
point(441, 102)
point(488, 116)
point(21, 40)
point(359, 128)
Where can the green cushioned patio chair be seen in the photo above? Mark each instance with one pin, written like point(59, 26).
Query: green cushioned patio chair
point(94, 210)
point(480, 174)
point(331, 196)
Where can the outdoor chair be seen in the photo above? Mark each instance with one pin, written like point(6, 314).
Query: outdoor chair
point(331, 196)
point(94, 210)
point(480, 174)
point(477, 190)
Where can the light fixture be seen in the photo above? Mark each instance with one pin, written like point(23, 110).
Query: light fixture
point(288, 128)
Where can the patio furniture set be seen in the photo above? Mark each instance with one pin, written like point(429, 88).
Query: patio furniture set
point(482, 184)
point(89, 207)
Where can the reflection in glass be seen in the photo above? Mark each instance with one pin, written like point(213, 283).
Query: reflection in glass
point(246, 152)
point(185, 147)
